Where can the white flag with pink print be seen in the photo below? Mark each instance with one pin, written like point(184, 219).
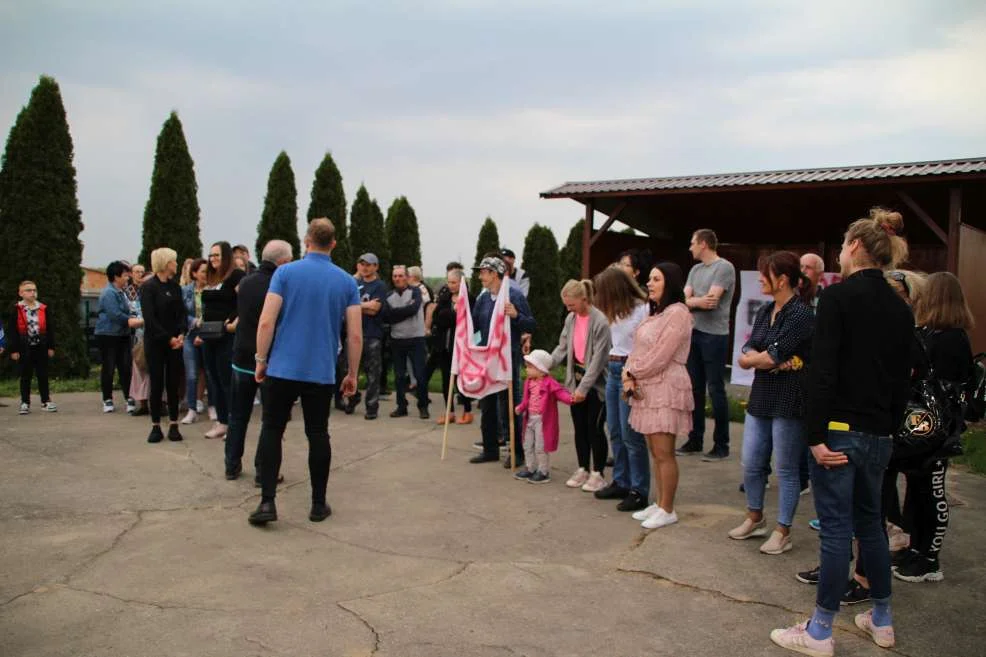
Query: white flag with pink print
point(482, 369)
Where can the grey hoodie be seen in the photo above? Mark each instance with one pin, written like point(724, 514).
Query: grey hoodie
point(406, 314)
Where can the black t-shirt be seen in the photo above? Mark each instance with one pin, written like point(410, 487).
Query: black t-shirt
point(163, 310)
point(219, 303)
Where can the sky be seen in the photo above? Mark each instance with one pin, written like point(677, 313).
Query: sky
point(471, 108)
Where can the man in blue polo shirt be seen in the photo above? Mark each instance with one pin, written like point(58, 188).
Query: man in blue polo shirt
point(306, 303)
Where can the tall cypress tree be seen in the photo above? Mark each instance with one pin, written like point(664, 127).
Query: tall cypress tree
point(329, 200)
point(40, 221)
point(280, 217)
point(541, 259)
point(488, 241)
point(366, 229)
point(570, 257)
point(402, 233)
point(383, 247)
point(171, 216)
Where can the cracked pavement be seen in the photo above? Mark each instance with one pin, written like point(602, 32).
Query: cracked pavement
point(114, 547)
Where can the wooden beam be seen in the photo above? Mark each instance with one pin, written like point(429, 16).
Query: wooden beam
point(609, 222)
point(954, 225)
point(587, 236)
point(923, 216)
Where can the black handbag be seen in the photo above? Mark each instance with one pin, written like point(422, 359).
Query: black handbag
point(211, 331)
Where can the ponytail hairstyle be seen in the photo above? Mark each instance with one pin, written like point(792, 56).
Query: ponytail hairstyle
point(879, 234)
point(578, 290)
point(788, 265)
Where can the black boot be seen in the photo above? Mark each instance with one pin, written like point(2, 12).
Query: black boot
point(266, 512)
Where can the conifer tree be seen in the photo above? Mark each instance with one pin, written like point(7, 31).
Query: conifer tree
point(488, 242)
point(402, 233)
point(40, 221)
point(383, 247)
point(541, 259)
point(171, 216)
point(366, 231)
point(570, 257)
point(280, 217)
point(329, 200)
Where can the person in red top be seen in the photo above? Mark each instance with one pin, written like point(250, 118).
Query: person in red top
point(32, 343)
point(539, 409)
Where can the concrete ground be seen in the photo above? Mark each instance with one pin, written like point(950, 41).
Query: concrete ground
point(113, 547)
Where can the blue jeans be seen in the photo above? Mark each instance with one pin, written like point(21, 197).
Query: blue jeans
point(783, 437)
point(218, 358)
point(192, 356)
point(631, 462)
point(707, 367)
point(243, 389)
point(403, 349)
point(847, 501)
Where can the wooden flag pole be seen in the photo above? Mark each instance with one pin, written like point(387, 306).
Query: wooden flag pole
point(448, 411)
point(510, 400)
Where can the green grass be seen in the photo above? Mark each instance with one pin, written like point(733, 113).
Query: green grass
point(974, 444)
point(12, 387)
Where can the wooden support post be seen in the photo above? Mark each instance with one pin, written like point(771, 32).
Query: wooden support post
point(954, 225)
point(609, 222)
point(923, 216)
point(587, 237)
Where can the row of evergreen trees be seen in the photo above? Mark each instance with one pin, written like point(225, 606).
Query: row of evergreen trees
point(40, 222)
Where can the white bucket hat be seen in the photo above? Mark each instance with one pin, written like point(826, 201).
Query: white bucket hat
point(540, 359)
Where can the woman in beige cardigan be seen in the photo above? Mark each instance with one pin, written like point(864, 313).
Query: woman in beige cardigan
point(584, 347)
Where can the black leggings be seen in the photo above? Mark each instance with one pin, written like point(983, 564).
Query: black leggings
point(589, 417)
point(164, 366)
point(926, 506)
point(34, 359)
point(114, 350)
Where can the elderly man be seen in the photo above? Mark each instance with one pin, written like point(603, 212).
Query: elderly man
point(812, 266)
point(405, 310)
point(491, 272)
point(306, 302)
point(250, 302)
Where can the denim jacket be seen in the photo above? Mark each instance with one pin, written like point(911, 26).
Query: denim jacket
point(114, 311)
point(188, 297)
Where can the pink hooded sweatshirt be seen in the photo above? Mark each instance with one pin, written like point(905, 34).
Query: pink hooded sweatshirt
point(552, 392)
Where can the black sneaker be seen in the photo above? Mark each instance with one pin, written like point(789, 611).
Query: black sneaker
point(156, 435)
point(715, 454)
point(266, 512)
point(855, 593)
point(423, 413)
point(234, 474)
point(523, 475)
point(809, 576)
point(539, 478)
point(612, 491)
point(173, 434)
point(634, 501)
point(399, 412)
point(689, 448)
point(919, 569)
point(350, 408)
point(899, 558)
point(370, 416)
point(340, 404)
point(484, 458)
point(478, 445)
point(320, 511)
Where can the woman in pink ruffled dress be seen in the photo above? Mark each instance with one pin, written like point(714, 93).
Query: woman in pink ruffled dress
point(660, 390)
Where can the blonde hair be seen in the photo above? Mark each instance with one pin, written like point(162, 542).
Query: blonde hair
point(879, 234)
point(913, 282)
point(942, 304)
point(415, 272)
point(578, 290)
point(186, 272)
point(161, 257)
point(23, 283)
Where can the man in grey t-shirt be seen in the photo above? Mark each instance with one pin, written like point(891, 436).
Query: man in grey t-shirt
point(709, 295)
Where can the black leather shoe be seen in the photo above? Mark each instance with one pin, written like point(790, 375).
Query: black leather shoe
point(156, 435)
point(370, 416)
point(634, 501)
point(265, 513)
point(484, 458)
point(424, 414)
point(399, 412)
point(320, 511)
point(613, 491)
point(173, 434)
point(234, 474)
point(689, 448)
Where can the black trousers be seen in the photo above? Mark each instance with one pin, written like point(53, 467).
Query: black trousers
point(316, 399)
point(115, 353)
point(589, 418)
point(164, 367)
point(926, 507)
point(34, 359)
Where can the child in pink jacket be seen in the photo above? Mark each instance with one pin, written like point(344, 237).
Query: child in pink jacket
point(539, 408)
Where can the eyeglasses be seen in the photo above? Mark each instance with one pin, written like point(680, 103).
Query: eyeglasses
point(215, 255)
point(900, 277)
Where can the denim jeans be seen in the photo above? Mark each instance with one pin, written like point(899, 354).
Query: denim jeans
point(243, 389)
point(707, 367)
point(192, 356)
point(782, 436)
point(218, 358)
point(631, 462)
point(371, 361)
point(847, 502)
point(413, 348)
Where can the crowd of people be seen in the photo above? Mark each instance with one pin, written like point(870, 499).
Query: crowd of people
point(641, 345)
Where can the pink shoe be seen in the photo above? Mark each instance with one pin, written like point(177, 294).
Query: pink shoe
point(578, 478)
point(882, 636)
point(218, 431)
point(796, 638)
point(594, 483)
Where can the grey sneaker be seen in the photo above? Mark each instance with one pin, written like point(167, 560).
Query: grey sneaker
point(49, 407)
point(539, 478)
point(715, 454)
point(25, 409)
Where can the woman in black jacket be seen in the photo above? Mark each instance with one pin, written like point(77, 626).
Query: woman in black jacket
point(164, 328)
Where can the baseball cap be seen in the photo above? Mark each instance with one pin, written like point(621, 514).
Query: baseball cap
point(369, 259)
point(493, 264)
point(507, 253)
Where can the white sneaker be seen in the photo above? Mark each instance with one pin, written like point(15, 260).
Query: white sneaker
point(25, 409)
point(660, 519)
point(212, 414)
point(218, 431)
point(131, 406)
point(108, 406)
point(644, 514)
point(578, 478)
point(49, 407)
point(190, 418)
point(200, 406)
point(595, 482)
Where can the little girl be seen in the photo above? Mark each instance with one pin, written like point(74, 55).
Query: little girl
point(540, 411)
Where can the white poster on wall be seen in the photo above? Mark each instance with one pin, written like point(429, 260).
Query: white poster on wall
point(750, 301)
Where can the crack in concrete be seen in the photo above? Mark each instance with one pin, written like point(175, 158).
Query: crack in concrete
point(144, 603)
point(525, 570)
point(260, 643)
point(18, 597)
point(368, 548)
point(366, 624)
point(139, 516)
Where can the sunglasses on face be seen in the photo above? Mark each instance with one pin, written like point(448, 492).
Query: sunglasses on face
point(901, 278)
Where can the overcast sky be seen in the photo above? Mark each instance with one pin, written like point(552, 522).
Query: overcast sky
point(471, 108)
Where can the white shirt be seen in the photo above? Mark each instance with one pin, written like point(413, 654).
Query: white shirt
point(622, 331)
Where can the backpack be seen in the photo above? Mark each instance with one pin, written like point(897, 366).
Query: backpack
point(974, 393)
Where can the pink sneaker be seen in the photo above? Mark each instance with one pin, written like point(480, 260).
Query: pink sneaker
point(578, 478)
point(796, 638)
point(594, 483)
point(882, 636)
